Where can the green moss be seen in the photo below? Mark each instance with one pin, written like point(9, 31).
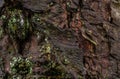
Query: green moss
point(21, 66)
point(17, 24)
point(117, 5)
point(1, 32)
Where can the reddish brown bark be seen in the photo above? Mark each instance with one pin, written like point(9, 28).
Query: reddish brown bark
point(91, 24)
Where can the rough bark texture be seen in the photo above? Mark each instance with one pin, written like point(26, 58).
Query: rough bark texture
point(85, 32)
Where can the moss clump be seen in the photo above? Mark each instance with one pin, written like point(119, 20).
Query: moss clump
point(21, 66)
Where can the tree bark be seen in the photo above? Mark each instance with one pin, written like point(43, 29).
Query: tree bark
point(90, 28)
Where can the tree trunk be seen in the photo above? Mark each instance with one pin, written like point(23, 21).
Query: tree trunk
point(85, 32)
